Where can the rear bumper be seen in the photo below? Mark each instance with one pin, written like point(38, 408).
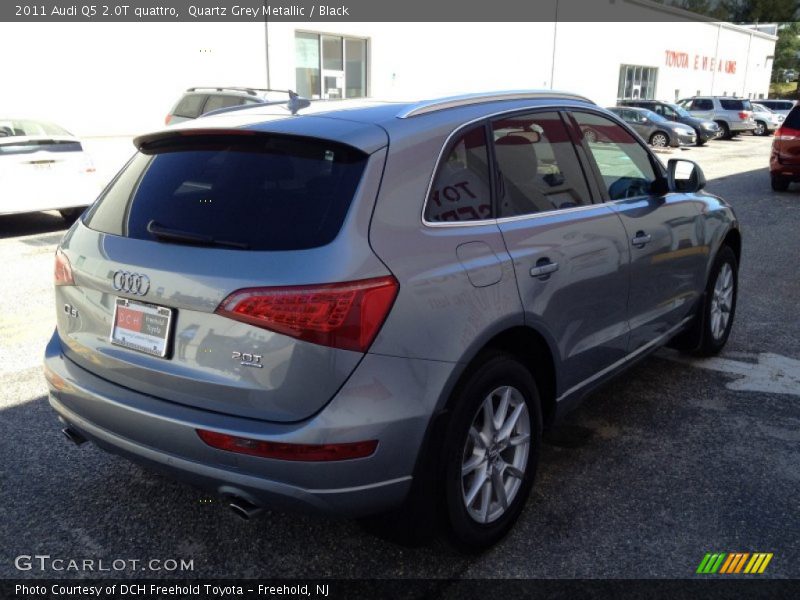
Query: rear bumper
point(742, 126)
point(389, 399)
point(783, 169)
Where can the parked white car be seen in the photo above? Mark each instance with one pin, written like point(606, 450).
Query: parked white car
point(44, 167)
point(766, 120)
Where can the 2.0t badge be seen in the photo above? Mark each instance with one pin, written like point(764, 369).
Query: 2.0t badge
point(133, 283)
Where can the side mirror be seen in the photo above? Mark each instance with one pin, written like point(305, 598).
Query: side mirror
point(685, 176)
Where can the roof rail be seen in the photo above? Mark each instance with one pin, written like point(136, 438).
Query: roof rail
point(222, 88)
point(248, 90)
point(429, 106)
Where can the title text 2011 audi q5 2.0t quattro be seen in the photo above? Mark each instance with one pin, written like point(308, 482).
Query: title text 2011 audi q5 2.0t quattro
point(376, 308)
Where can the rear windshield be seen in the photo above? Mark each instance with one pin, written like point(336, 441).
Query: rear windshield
point(792, 120)
point(729, 104)
point(245, 192)
point(28, 127)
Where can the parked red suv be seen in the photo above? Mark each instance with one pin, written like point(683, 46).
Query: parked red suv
point(784, 162)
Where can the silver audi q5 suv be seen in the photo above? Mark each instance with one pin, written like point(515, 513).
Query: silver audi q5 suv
point(376, 308)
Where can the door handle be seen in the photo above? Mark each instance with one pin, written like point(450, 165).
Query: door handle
point(641, 239)
point(543, 268)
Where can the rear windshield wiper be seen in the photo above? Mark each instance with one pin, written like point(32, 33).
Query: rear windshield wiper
point(187, 237)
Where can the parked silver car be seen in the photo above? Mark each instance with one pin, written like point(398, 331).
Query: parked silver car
point(376, 308)
point(659, 131)
point(766, 120)
point(733, 115)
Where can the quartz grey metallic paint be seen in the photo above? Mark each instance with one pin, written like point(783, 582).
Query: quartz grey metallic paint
point(609, 302)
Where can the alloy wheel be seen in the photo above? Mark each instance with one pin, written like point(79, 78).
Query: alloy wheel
point(722, 301)
point(659, 140)
point(495, 454)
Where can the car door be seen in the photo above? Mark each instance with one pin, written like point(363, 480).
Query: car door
point(569, 255)
point(665, 231)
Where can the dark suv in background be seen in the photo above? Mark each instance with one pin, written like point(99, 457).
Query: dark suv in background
point(705, 129)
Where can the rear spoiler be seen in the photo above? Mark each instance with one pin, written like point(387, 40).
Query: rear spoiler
point(142, 141)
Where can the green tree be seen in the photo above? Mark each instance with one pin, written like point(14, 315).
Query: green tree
point(743, 11)
point(786, 49)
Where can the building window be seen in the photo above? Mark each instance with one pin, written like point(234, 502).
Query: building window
point(330, 66)
point(636, 82)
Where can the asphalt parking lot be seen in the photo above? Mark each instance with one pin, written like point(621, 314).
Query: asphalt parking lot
point(676, 459)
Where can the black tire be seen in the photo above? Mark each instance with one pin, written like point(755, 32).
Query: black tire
point(726, 131)
point(659, 139)
point(699, 141)
point(712, 342)
point(495, 371)
point(779, 184)
point(71, 214)
point(761, 129)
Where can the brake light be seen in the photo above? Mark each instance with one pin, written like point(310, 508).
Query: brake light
point(744, 115)
point(787, 133)
point(62, 274)
point(341, 315)
point(283, 451)
point(167, 119)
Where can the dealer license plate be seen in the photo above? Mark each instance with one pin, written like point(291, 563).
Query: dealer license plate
point(140, 326)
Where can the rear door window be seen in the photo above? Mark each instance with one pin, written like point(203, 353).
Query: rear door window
point(190, 106)
point(538, 168)
point(702, 104)
point(461, 190)
point(244, 192)
point(217, 101)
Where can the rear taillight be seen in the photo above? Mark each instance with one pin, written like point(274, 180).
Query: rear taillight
point(167, 119)
point(341, 315)
point(744, 115)
point(787, 133)
point(283, 451)
point(62, 274)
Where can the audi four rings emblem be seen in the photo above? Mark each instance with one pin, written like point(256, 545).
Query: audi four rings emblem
point(133, 283)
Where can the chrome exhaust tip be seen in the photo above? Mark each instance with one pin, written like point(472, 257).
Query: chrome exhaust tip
point(73, 436)
point(243, 509)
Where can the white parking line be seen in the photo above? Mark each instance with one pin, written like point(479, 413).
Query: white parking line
point(764, 372)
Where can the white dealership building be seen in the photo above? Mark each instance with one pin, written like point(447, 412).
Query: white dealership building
point(122, 78)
